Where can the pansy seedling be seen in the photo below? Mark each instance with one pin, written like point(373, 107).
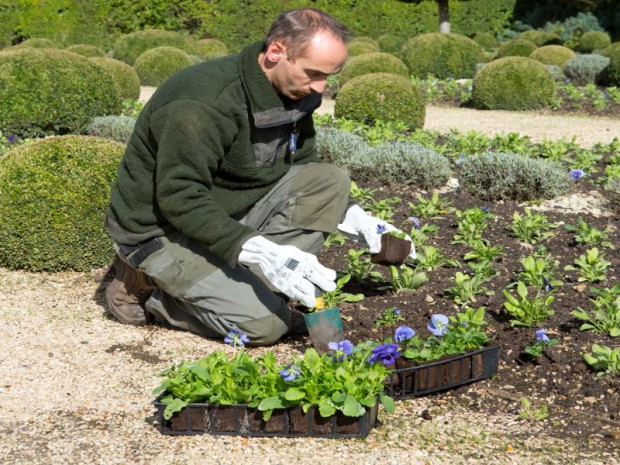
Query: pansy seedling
point(438, 325)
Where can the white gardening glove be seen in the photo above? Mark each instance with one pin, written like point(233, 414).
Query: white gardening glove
point(367, 230)
point(291, 271)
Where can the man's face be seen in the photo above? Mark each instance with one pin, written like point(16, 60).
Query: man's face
point(308, 73)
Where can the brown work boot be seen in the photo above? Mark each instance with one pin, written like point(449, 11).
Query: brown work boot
point(127, 293)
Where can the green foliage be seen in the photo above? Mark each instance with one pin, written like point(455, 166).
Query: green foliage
point(338, 146)
point(593, 40)
point(604, 319)
point(157, 64)
point(112, 127)
point(48, 91)
point(129, 47)
point(538, 348)
point(528, 311)
point(585, 69)
point(361, 268)
point(381, 97)
point(538, 273)
point(86, 50)
point(516, 48)
point(467, 287)
point(552, 54)
point(531, 227)
point(430, 208)
point(390, 42)
point(591, 266)
point(334, 298)
point(465, 332)
point(405, 279)
point(504, 176)
point(528, 413)
point(585, 234)
point(124, 76)
point(613, 69)
point(53, 195)
point(604, 359)
point(441, 55)
point(430, 258)
point(375, 62)
point(391, 316)
point(513, 83)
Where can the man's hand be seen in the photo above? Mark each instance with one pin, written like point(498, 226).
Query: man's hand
point(366, 229)
point(291, 271)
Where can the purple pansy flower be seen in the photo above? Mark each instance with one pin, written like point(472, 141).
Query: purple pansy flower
point(236, 338)
point(381, 228)
point(548, 286)
point(386, 353)
point(403, 333)
point(576, 174)
point(416, 221)
point(290, 372)
point(541, 335)
point(438, 325)
point(344, 347)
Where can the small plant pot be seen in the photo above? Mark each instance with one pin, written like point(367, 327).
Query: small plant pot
point(411, 379)
point(394, 250)
point(324, 326)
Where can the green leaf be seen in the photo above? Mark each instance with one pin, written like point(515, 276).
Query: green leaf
point(294, 394)
point(271, 403)
point(326, 409)
point(387, 402)
point(352, 408)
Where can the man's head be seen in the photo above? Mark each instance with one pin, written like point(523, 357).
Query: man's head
point(304, 47)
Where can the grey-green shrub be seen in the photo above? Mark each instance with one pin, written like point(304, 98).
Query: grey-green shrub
point(508, 176)
point(513, 83)
point(516, 48)
point(593, 40)
point(50, 91)
point(129, 47)
point(585, 69)
point(208, 49)
point(86, 50)
point(441, 55)
point(157, 64)
point(552, 55)
point(117, 128)
point(485, 40)
point(53, 195)
point(338, 146)
point(37, 42)
point(391, 43)
point(556, 73)
point(382, 97)
point(125, 76)
point(375, 62)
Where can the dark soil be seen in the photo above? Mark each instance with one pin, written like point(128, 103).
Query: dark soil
point(580, 404)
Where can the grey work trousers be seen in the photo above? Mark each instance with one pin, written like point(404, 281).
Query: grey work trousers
point(199, 292)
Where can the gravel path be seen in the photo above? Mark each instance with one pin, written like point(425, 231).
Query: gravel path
point(75, 388)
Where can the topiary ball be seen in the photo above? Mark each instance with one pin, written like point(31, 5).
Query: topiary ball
point(37, 42)
point(53, 196)
point(593, 40)
point(441, 55)
point(552, 55)
point(361, 45)
point(485, 40)
point(125, 76)
point(86, 50)
point(613, 69)
point(611, 48)
point(391, 43)
point(381, 97)
point(208, 49)
point(513, 83)
point(49, 91)
point(376, 62)
point(516, 48)
point(157, 64)
point(129, 47)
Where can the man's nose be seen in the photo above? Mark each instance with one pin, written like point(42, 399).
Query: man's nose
point(318, 86)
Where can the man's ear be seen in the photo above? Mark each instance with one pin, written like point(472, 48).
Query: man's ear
point(275, 52)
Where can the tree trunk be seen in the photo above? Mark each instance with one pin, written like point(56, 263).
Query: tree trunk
point(444, 16)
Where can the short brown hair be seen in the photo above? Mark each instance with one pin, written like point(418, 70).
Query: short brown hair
point(295, 28)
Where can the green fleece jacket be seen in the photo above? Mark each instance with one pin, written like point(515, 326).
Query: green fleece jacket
point(212, 140)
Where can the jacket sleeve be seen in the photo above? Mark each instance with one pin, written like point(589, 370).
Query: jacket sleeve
point(192, 139)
